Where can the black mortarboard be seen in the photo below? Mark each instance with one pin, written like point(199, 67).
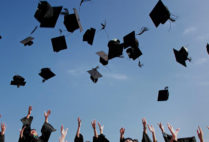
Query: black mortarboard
point(27, 121)
point(115, 49)
point(94, 74)
point(47, 128)
point(133, 52)
point(103, 57)
point(27, 41)
point(129, 40)
point(207, 47)
point(46, 73)
point(89, 35)
point(188, 139)
point(18, 81)
point(59, 43)
point(181, 55)
point(163, 95)
point(160, 14)
point(47, 15)
point(0, 37)
point(72, 22)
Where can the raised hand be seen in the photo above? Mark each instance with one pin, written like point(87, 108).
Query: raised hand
point(200, 134)
point(29, 111)
point(122, 131)
point(144, 122)
point(46, 115)
point(151, 128)
point(161, 127)
point(174, 133)
point(3, 128)
point(101, 127)
point(63, 134)
point(79, 122)
point(93, 123)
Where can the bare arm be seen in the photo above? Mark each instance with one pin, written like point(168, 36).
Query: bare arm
point(46, 115)
point(174, 133)
point(152, 130)
point(200, 134)
point(101, 128)
point(63, 134)
point(93, 123)
point(3, 128)
point(79, 126)
point(144, 122)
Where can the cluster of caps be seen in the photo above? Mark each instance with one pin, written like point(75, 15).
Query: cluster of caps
point(47, 16)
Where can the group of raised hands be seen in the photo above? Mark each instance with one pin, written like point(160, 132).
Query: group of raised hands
point(174, 133)
point(173, 136)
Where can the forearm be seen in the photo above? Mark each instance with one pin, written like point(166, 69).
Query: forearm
point(95, 133)
point(154, 137)
point(78, 132)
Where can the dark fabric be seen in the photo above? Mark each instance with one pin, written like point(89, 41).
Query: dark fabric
point(27, 122)
point(101, 138)
point(188, 139)
point(95, 139)
point(78, 139)
point(122, 140)
point(2, 139)
point(167, 137)
point(46, 131)
point(145, 138)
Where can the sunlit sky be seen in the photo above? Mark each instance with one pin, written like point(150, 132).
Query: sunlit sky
point(126, 93)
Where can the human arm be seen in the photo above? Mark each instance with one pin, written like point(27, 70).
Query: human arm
point(200, 134)
point(152, 130)
point(63, 134)
point(173, 132)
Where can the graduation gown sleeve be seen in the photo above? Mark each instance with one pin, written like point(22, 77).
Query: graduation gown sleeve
point(102, 138)
point(78, 139)
point(27, 124)
point(46, 131)
point(167, 137)
point(2, 138)
point(145, 138)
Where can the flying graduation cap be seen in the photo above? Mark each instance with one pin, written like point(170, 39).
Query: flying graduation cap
point(18, 81)
point(103, 57)
point(163, 95)
point(182, 55)
point(115, 48)
point(72, 21)
point(130, 41)
point(47, 15)
point(46, 74)
point(207, 47)
point(89, 35)
point(59, 43)
point(94, 74)
point(27, 41)
point(82, 1)
point(160, 14)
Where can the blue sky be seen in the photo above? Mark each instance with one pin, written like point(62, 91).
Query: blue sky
point(126, 93)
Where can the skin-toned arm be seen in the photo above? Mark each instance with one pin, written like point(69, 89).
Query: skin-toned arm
point(101, 128)
point(21, 131)
point(174, 133)
point(29, 112)
point(3, 128)
point(93, 123)
point(161, 127)
point(152, 130)
point(122, 131)
point(63, 134)
point(200, 134)
point(144, 122)
point(46, 115)
point(79, 127)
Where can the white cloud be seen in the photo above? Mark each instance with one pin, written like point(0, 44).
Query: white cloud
point(117, 76)
point(201, 61)
point(189, 30)
point(75, 72)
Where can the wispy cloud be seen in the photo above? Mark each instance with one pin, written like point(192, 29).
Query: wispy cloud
point(201, 61)
point(117, 76)
point(189, 30)
point(75, 72)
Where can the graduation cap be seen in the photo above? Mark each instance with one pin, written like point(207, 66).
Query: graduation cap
point(129, 40)
point(59, 43)
point(160, 14)
point(47, 15)
point(133, 52)
point(207, 47)
point(103, 57)
point(82, 1)
point(72, 21)
point(115, 49)
point(0, 37)
point(89, 35)
point(46, 74)
point(27, 41)
point(94, 74)
point(187, 139)
point(182, 55)
point(163, 95)
point(18, 81)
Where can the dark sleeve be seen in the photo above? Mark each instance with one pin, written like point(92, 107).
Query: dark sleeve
point(145, 138)
point(78, 139)
point(122, 140)
point(102, 138)
point(27, 124)
point(1, 138)
point(95, 139)
point(46, 131)
point(167, 137)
